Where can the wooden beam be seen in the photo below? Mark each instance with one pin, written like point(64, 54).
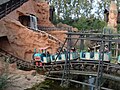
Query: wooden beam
point(96, 34)
point(88, 73)
point(74, 81)
point(97, 39)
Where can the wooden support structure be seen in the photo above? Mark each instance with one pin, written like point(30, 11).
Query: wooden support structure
point(87, 73)
point(66, 71)
point(78, 82)
point(103, 38)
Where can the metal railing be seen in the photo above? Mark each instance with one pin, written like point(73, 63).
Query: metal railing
point(9, 6)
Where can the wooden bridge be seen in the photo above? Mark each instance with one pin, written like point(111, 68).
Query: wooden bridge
point(110, 71)
point(96, 68)
point(90, 67)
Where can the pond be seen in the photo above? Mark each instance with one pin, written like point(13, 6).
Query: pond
point(55, 85)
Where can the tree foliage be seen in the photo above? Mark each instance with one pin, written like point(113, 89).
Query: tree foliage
point(83, 14)
point(89, 23)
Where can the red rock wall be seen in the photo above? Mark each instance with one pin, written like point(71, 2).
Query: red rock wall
point(59, 34)
point(23, 40)
point(42, 12)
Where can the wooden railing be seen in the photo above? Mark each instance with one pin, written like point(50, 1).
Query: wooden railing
point(43, 28)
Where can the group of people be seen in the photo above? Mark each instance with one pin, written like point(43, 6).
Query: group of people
point(65, 50)
point(91, 50)
point(38, 56)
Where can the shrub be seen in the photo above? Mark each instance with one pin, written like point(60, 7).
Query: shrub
point(5, 77)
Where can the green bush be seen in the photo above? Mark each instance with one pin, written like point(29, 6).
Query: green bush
point(84, 23)
point(5, 78)
point(4, 81)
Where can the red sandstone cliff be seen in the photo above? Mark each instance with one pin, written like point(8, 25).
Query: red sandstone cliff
point(20, 40)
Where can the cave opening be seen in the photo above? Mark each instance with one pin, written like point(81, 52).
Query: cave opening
point(5, 44)
point(25, 20)
point(29, 21)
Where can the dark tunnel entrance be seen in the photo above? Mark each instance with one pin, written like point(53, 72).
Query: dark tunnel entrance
point(29, 21)
point(25, 20)
point(4, 44)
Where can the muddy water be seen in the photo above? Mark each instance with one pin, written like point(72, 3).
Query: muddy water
point(55, 85)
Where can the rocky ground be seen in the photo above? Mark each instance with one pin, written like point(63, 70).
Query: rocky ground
point(24, 80)
point(20, 80)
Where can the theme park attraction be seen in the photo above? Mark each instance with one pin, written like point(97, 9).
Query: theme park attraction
point(98, 57)
point(96, 60)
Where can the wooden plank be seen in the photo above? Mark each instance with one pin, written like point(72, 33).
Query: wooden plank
point(75, 72)
point(88, 73)
point(83, 83)
point(115, 78)
point(96, 34)
point(96, 39)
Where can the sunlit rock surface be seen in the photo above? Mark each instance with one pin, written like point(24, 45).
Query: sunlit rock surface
point(112, 18)
point(19, 79)
point(20, 40)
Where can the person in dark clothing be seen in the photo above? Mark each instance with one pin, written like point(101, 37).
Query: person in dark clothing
point(64, 51)
point(92, 54)
point(48, 54)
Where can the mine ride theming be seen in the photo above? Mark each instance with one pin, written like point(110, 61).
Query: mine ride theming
point(102, 51)
point(44, 58)
point(98, 57)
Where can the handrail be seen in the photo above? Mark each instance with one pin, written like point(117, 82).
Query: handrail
point(9, 6)
point(43, 28)
point(46, 28)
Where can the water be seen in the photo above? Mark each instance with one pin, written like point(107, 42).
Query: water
point(55, 85)
point(33, 22)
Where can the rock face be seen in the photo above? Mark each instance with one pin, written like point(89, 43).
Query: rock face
point(42, 12)
point(18, 79)
point(113, 13)
point(59, 34)
point(20, 40)
point(25, 81)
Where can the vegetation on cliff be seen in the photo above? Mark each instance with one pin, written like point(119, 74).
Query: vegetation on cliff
point(83, 14)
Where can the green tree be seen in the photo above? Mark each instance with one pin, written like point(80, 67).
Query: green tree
point(83, 14)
